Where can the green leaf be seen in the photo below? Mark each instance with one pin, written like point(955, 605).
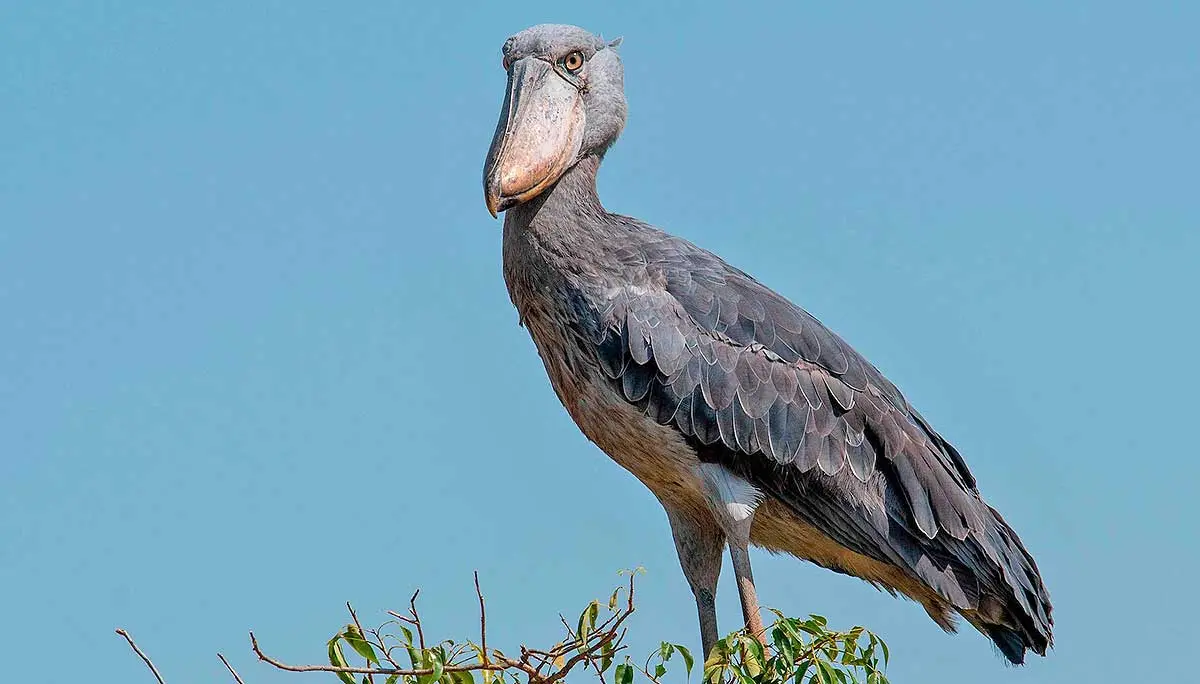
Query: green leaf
point(807, 626)
point(868, 653)
point(606, 655)
point(623, 674)
point(665, 651)
point(883, 647)
point(717, 662)
point(717, 656)
point(659, 670)
point(462, 677)
point(743, 676)
point(753, 655)
point(786, 648)
point(360, 645)
point(826, 673)
point(338, 659)
point(688, 660)
point(587, 620)
point(392, 679)
point(438, 668)
point(831, 650)
point(851, 645)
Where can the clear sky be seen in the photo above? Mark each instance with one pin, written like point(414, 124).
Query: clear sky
point(257, 356)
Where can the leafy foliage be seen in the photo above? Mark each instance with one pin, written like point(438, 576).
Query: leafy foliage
point(797, 651)
point(792, 651)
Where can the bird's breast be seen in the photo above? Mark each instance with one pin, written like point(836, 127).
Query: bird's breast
point(655, 454)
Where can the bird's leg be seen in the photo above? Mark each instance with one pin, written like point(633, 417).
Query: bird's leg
point(733, 501)
point(739, 553)
point(700, 545)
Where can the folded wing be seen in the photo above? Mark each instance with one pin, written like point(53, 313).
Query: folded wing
point(759, 385)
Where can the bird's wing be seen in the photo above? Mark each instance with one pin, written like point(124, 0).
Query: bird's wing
point(759, 385)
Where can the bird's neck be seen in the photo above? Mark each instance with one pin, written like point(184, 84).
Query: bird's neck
point(566, 209)
point(558, 241)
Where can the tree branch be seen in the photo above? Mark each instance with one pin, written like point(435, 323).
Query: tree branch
point(482, 621)
point(141, 655)
point(231, 670)
point(539, 666)
point(412, 607)
point(501, 665)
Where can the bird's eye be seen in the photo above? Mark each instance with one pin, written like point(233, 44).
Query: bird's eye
point(573, 62)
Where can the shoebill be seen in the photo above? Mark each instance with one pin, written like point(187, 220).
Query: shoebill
point(751, 422)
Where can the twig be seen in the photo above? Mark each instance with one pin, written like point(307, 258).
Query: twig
point(354, 616)
point(501, 665)
point(361, 632)
point(567, 626)
point(482, 621)
point(141, 655)
point(403, 618)
point(412, 606)
point(231, 670)
point(611, 635)
point(596, 666)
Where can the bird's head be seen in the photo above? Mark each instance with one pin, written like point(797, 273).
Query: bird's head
point(565, 101)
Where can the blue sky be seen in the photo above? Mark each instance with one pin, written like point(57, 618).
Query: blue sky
point(258, 357)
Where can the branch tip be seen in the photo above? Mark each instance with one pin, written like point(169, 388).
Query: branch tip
point(143, 656)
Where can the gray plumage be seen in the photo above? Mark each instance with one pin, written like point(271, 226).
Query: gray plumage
point(667, 357)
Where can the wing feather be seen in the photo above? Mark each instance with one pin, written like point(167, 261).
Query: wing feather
point(759, 385)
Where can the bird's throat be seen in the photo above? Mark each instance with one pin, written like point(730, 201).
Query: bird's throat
point(572, 199)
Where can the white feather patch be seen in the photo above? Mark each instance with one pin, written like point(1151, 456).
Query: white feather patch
point(731, 497)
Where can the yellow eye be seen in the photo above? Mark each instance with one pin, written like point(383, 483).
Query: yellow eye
point(573, 62)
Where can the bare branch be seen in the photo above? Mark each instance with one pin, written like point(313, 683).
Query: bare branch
point(412, 606)
point(231, 670)
point(354, 617)
point(482, 620)
point(402, 618)
point(361, 631)
point(141, 655)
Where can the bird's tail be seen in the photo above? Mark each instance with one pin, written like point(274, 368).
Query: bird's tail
point(1010, 642)
point(1019, 619)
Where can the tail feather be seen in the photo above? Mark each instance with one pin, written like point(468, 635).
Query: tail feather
point(1009, 641)
point(1018, 616)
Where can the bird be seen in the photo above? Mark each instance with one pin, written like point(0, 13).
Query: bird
point(751, 422)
